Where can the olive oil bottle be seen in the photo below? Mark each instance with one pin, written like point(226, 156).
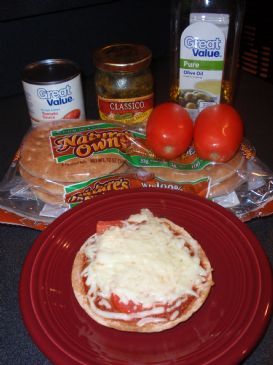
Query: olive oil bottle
point(205, 39)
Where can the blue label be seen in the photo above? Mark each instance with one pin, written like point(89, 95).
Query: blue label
point(204, 48)
point(56, 97)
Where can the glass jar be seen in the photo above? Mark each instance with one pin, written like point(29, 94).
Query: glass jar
point(124, 83)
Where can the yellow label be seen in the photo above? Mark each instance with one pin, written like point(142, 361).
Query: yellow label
point(129, 111)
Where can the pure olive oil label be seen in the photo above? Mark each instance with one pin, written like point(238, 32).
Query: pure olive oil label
point(202, 53)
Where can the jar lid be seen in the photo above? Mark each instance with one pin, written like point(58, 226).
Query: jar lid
point(122, 57)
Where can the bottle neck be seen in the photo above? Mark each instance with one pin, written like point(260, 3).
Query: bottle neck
point(217, 6)
point(211, 5)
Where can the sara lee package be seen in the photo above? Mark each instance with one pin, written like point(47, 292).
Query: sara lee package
point(64, 163)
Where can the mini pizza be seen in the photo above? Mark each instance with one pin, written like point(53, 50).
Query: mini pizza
point(142, 274)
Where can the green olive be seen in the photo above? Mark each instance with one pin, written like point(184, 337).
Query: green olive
point(191, 106)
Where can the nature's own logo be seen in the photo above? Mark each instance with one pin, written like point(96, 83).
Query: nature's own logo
point(83, 143)
point(99, 187)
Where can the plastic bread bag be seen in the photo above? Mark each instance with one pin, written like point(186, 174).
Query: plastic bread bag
point(64, 163)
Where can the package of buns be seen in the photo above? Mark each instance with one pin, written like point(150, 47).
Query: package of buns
point(63, 163)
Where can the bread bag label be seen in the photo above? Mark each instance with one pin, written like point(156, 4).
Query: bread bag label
point(87, 190)
point(104, 138)
point(82, 142)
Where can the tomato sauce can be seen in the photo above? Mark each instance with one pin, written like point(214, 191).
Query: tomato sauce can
point(53, 90)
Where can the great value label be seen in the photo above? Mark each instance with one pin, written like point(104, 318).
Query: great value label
point(55, 101)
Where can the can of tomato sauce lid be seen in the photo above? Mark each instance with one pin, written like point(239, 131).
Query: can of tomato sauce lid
point(53, 90)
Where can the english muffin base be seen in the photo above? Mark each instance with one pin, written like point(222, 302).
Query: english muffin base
point(224, 177)
point(79, 289)
point(37, 160)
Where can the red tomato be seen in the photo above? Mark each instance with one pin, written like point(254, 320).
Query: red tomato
point(103, 225)
point(129, 307)
point(218, 133)
point(169, 130)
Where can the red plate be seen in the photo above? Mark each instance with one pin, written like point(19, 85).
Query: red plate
point(222, 332)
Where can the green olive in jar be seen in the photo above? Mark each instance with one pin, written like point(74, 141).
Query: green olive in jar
point(124, 83)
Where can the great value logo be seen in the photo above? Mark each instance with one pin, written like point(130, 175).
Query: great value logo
point(56, 97)
point(204, 48)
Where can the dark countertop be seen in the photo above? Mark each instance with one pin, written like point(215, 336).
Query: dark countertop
point(254, 101)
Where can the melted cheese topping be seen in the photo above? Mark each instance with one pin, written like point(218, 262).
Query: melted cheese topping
point(144, 261)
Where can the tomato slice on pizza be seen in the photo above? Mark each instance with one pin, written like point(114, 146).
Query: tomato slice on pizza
point(104, 225)
point(142, 274)
point(120, 306)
